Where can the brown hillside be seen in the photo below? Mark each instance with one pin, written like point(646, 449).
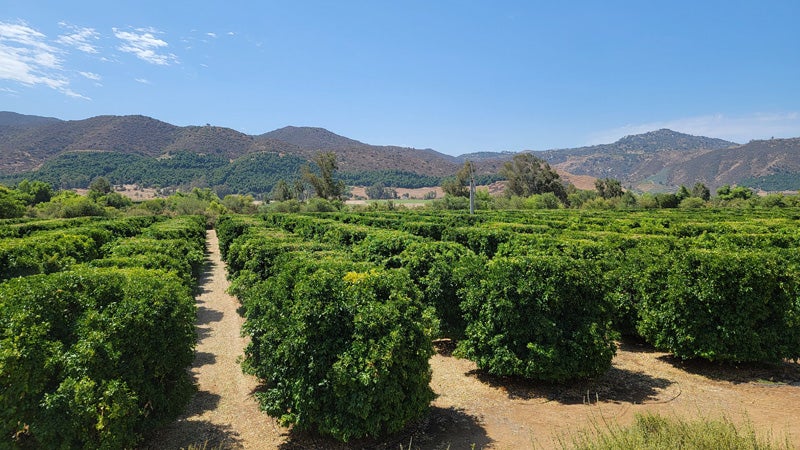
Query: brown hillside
point(728, 166)
point(658, 160)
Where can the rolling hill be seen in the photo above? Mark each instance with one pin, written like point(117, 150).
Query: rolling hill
point(141, 149)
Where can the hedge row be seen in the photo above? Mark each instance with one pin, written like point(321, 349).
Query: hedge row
point(456, 282)
point(93, 358)
point(54, 245)
point(96, 357)
point(539, 317)
point(652, 274)
point(342, 347)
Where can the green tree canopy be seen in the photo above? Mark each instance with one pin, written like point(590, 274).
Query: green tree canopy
point(700, 190)
point(379, 191)
point(608, 187)
point(324, 185)
point(99, 187)
point(528, 175)
point(35, 191)
point(458, 186)
point(10, 204)
point(281, 192)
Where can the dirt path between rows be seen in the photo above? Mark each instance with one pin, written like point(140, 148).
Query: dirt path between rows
point(474, 410)
point(223, 412)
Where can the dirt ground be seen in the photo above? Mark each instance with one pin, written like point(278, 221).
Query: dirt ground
point(478, 411)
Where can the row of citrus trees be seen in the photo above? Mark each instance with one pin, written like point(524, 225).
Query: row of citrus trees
point(96, 328)
point(341, 308)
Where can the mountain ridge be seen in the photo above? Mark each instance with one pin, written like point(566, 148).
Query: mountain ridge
point(657, 161)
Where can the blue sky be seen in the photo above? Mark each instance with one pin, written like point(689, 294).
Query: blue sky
point(455, 76)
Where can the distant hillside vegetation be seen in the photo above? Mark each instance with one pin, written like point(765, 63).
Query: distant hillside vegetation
point(146, 151)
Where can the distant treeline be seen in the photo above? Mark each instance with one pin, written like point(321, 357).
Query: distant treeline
point(775, 182)
point(256, 173)
point(393, 178)
point(253, 173)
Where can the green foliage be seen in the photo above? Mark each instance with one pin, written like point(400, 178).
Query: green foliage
point(239, 204)
point(288, 206)
point(252, 173)
point(701, 191)
point(723, 306)
point(325, 185)
point(177, 255)
point(383, 246)
point(783, 181)
point(229, 228)
point(541, 318)
point(99, 186)
point(114, 200)
point(725, 192)
point(666, 200)
point(451, 203)
point(394, 178)
point(93, 358)
point(280, 192)
point(69, 204)
point(258, 252)
point(608, 188)
point(692, 203)
point(341, 352)
point(45, 252)
point(256, 173)
point(626, 264)
point(480, 240)
point(77, 169)
point(577, 197)
point(379, 191)
point(11, 205)
point(35, 191)
point(528, 175)
point(548, 200)
point(318, 204)
point(458, 185)
point(442, 271)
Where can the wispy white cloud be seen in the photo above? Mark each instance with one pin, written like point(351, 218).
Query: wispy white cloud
point(81, 38)
point(143, 43)
point(733, 128)
point(231, 33)
point(142, 80)
point(8, 90)
point(92, 76)
point(73, 94)
point(213, 35)
point(27, 58)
